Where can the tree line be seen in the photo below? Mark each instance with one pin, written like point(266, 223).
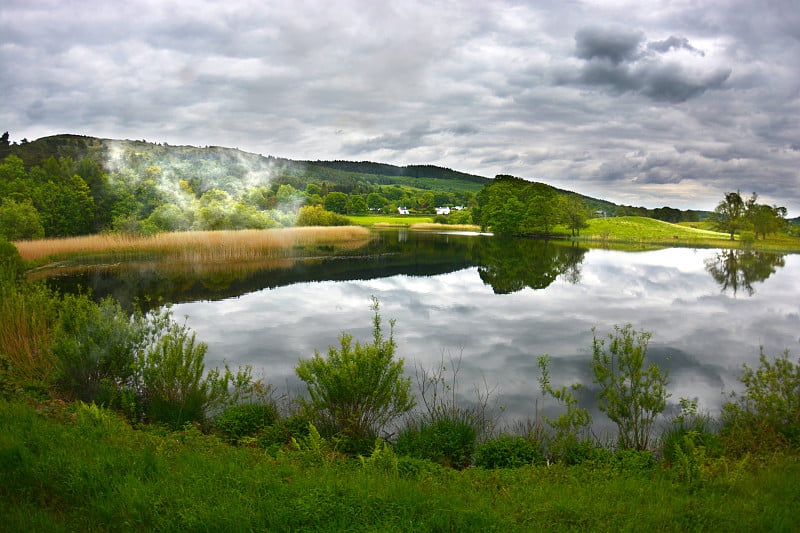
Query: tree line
point(735, 214)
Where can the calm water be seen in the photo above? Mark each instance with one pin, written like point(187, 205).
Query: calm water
point(496, 305)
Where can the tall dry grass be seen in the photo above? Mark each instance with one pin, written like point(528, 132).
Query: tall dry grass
point(197, 245)
point(26, 326)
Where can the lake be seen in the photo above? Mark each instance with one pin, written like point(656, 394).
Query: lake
point(492, 304)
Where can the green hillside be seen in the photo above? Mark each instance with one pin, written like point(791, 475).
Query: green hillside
point(649, 229)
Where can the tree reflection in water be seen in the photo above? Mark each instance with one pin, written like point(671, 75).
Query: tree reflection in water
point(739, 269)
point(510, 265)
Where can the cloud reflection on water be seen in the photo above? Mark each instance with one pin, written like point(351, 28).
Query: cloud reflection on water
point(702, 334)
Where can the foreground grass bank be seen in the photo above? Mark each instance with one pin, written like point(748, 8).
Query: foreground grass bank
point(69, 467)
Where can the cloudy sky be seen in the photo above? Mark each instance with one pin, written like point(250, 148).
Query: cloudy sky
point(640, 102)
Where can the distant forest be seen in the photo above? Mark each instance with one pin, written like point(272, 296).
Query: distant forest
point(73, 185)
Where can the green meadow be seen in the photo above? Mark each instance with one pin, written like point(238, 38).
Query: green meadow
point(74, 467)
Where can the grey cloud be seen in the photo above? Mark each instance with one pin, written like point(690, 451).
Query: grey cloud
point(673, 43)
point(614, 45)
point(578, 95)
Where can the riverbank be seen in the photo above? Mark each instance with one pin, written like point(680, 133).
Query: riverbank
point(68, 467)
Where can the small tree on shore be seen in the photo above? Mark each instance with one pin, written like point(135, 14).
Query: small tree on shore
point(631, 395)
point(357, 390)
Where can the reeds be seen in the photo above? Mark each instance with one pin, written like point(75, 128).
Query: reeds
point(197, 245)
point(26, 325)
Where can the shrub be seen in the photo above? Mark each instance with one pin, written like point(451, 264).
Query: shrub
point(508, 451)
point(767, 413)
point(673, 439)
point(174, 387)
point(569, 439)
point(357, 390)
point(245, 420)
point(315, 215)
point(630, 394)
point(11, 264)
point(95, 346)
point(448, 440)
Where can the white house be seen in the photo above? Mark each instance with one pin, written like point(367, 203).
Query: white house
point(403, 211)
point(442, 210)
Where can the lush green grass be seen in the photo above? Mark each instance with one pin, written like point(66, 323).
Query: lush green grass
point(649, 231)
point(390, 220)
point(69, 468)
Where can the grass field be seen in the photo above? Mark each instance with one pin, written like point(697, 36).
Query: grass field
point(648, 231)
point(390, 220)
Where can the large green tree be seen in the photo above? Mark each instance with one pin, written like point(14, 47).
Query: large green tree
point(729, 215)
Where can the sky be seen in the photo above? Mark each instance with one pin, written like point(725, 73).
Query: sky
point(646, 103)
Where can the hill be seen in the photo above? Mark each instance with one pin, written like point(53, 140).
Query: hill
point(126, 182)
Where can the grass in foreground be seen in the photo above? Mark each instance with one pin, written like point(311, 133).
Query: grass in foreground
point(67, 468)
point(196, 245)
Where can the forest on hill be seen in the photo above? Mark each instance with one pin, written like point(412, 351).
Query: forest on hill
point(73, 185)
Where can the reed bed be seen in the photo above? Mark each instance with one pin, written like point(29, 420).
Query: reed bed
point(197, 245)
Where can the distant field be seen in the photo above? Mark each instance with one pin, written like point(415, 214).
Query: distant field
point(390, 220)
point(649, 229)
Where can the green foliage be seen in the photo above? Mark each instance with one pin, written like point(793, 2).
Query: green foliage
point(357, 390)
point(245, 420)
point(569, 439)
point(95, 347)
point(508, 451)
point(175, 388)
point(336, 202)
point(315, 215)
point(730, 214)
point(11, 264)
point(382, 459)
point(673, 439)
point(767, 412)
point(19, 221)
point(77, 468)
point(631, 395)
point(448, 439)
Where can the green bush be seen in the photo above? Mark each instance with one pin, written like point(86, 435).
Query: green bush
point(174, 385)
point(11, 264)
point(95, 347)
point(315, 215)
point(245, 420)
point(767, 414)
point(673, 439)
point(356, 390)
point(448, 440)
point(508, 451)
point(631, 394)
point(568, 440)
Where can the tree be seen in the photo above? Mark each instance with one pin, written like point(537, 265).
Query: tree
point(729, 214)
point(630, 394)
point(376, 201)
point(357, 390)
point(764, 218)
point(575, 214)
point(336, 202)
point(19, 221)
point(357, 204)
